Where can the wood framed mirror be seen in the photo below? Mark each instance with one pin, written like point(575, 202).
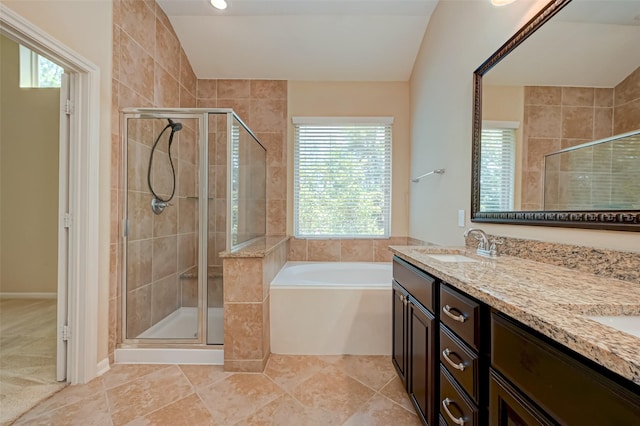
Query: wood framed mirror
point(573, 157)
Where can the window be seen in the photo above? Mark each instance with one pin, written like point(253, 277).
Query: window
point(38, 71)
point(497, 166)
point(342, 177)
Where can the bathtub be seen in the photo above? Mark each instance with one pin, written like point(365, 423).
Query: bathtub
point(331, 308)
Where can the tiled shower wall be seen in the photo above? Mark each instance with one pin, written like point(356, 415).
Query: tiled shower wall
point(150, 69)
point(557, 118)
point(626, 109)
point(561, 117)
point(160, 248)
point(262, 106)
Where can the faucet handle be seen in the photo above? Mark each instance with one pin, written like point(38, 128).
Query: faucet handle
point(492, 247)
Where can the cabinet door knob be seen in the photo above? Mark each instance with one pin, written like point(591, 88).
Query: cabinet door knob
point(445, 404)
point(460, 366)
point(447, 310)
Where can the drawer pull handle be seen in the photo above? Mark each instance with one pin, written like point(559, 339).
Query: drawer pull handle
point(446, 354)
point(445, 404)
point(447, 310)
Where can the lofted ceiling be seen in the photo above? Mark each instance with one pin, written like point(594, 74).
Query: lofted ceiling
point(588, 43)
point(321, 40)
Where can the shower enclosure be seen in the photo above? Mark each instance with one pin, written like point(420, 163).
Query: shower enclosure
point(195, 185)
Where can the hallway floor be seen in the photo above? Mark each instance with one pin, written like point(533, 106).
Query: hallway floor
point(27, 355)
point(293, 390)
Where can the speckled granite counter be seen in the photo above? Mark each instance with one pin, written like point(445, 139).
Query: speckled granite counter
point(550, 299)
point(260, 247)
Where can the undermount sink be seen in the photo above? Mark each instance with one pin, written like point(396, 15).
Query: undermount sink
point(452, 258)
point(628, 323)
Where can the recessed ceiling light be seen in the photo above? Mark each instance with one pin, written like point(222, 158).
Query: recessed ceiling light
point(219, 4)
point(499, 2)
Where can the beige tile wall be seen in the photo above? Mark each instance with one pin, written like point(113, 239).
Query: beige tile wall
point(343, 250)
point(246, 304)
point(557, 118)
point(561, 117)
point(626, 108)
point(150, 69)
point(262, 105)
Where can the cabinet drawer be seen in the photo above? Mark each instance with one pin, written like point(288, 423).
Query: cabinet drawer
point(460, 361)
point(461, 315)
point(567, 388)
point(455, 407)
point(420, 285)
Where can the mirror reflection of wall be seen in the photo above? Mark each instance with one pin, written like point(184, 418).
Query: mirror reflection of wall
point(574, 81)
point(602, 175)
point(555, 118)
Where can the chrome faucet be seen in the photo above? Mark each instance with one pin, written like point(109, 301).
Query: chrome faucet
point(485, 248)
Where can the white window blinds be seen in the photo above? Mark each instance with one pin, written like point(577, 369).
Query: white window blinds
point(342, 177)
point(497, 169)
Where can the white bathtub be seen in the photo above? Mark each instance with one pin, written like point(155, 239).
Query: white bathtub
point(331, 308)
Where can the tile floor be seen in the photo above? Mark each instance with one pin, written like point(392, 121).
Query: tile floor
point(27, 354)
point(293, 390)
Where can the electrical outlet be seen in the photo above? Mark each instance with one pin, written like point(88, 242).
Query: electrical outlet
point(461, 218)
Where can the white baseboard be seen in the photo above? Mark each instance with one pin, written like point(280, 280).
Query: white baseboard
point(102, 367)
point(28, 295)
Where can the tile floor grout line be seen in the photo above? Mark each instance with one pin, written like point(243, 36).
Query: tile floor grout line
point(397, 403)
point(162, 407)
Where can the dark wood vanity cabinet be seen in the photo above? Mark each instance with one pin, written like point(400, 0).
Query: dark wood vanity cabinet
point(415, 337)
point(544, 383)
point(465, 363)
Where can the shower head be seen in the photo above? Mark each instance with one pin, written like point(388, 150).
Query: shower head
point(175, 127)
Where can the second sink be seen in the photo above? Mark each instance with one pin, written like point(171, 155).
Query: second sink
point(628, 323)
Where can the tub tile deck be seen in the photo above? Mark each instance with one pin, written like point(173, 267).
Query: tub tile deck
point(293, 390)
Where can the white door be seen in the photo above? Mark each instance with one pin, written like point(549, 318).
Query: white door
point(64, 221)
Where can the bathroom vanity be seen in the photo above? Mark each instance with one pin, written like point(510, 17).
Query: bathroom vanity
point(502, 341)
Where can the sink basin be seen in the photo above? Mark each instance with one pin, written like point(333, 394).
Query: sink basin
point(451, 258)
point(628, 323)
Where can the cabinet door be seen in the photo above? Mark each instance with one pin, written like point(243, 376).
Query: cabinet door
point(507, 407)
point(399, 331)
point(422, 360)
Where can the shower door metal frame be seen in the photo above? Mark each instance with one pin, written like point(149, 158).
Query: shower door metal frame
point(203, 165)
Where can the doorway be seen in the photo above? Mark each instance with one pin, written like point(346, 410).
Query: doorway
point(33, 246)
point(77, 199)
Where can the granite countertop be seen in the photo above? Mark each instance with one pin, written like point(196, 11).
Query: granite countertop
point(260, 247)
point(550, 299)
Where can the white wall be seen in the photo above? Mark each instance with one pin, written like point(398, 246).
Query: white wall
point(86, 27)
point(460, 36)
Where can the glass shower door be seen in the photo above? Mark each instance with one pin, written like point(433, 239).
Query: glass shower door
point(163, 295)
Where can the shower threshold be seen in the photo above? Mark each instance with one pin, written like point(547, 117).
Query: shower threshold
point(181, 322)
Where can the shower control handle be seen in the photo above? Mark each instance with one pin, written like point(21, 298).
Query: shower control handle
point(158, 206)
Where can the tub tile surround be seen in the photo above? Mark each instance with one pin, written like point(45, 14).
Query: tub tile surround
point(247, 273)
point(548, 298)
point(345, 250)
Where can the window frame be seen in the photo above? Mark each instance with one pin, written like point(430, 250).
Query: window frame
point(511, 127)
point(386, 123)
